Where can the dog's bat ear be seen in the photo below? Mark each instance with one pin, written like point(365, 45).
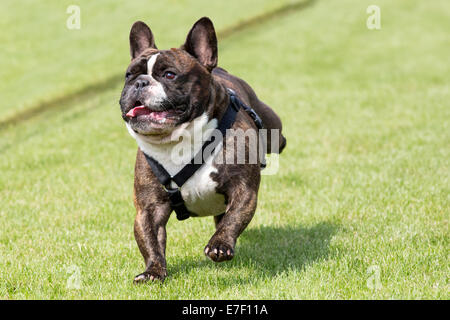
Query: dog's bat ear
point(141, 38)
point(201, 42)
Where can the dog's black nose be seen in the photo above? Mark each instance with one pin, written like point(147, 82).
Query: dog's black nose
point(140, 83)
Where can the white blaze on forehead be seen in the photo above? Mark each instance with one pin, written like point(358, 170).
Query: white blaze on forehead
point(151, 63)
point(157, 93)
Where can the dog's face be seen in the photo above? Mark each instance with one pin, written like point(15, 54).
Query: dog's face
point(165, 88)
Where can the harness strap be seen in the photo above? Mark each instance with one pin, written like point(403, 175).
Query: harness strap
point(175, 197)
point(189, 169)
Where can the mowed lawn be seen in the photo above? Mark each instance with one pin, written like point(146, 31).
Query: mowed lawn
point(358, 210)
point(42, 59)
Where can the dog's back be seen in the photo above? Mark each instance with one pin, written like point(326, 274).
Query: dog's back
point(269, 118)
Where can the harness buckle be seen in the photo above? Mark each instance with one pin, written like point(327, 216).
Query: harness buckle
point(231, 91)
point(234, 103)
point(177, 203)
point(174, 196)
point(256, 119)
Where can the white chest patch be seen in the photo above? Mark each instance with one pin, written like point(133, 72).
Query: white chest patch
point(199, 192)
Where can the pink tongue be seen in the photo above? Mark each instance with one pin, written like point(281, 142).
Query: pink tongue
point(141, 110)
point(137, 111)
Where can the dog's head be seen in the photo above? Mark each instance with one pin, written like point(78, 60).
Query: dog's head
point(165, 88)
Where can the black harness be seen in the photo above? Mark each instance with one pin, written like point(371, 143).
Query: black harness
point(176, 200)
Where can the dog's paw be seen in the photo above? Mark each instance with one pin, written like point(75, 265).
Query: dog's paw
point(218, 250)
point(151, 275)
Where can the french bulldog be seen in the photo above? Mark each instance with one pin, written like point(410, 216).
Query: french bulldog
point(171, 93)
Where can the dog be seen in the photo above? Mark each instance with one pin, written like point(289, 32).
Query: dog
point(171, 93)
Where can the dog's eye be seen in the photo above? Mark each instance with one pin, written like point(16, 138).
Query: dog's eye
point(127, 75)
point(169, 75)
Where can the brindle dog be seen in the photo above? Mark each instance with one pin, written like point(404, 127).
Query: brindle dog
point(167, 94)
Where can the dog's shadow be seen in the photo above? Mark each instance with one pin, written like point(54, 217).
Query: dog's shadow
point(265, 251)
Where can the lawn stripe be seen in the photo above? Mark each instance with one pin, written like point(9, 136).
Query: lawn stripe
point(100, 86)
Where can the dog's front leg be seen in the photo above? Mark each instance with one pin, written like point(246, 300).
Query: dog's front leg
point(239, 213)
point(150, 235)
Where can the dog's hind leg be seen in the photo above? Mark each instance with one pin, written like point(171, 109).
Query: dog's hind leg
point(272, 123)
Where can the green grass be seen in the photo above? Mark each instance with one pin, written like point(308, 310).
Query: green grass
point(43, 59)
point(363, 184)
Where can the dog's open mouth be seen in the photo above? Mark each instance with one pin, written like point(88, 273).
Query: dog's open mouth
point(141, 112)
